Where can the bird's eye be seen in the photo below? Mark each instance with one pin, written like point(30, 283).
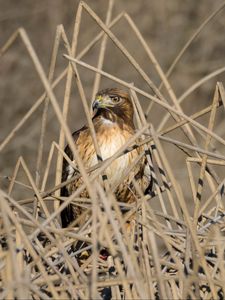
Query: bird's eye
point(115, 99)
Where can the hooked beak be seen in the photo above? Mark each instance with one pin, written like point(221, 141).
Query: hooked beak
point(101, 103)
point(96, 105)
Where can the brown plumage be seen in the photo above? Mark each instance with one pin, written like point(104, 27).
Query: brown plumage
point(113, 123)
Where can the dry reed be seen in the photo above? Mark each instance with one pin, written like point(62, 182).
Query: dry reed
point(172, 252)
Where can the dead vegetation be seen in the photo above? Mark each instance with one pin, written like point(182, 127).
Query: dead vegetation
point(167, 245)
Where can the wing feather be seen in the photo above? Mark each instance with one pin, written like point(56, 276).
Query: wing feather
point(67, 215)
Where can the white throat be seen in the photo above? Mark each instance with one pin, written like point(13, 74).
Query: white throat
point(107, 121)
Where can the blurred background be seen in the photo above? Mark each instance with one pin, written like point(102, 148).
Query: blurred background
point(166, 26)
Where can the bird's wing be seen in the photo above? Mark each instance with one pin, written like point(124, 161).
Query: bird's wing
point(148, 178)
point(144, 177)
point(67, 213)
point(69, 153)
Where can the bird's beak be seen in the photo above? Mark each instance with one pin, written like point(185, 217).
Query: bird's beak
point(98, 103)
point(95, 105)
point(101, 102)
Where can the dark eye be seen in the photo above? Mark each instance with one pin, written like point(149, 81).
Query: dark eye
point(115, 99)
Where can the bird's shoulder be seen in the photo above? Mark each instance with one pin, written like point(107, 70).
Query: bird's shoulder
point(76, 135)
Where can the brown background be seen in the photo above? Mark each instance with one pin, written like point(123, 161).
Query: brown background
point(165, 24)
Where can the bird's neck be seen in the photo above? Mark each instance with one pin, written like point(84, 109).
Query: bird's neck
point(107, 116)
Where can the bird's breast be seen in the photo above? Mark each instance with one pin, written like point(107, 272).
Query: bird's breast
point(110, 140)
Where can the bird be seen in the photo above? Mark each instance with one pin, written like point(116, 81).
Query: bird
point(113, 120)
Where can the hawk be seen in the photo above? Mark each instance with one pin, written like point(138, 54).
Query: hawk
point(114, 126)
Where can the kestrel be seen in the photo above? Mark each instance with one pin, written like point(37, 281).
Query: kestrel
point(114, 126)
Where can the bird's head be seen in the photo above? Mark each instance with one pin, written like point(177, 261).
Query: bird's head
point(114, 103)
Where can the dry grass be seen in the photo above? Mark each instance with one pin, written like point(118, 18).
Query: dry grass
point(173, 247)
